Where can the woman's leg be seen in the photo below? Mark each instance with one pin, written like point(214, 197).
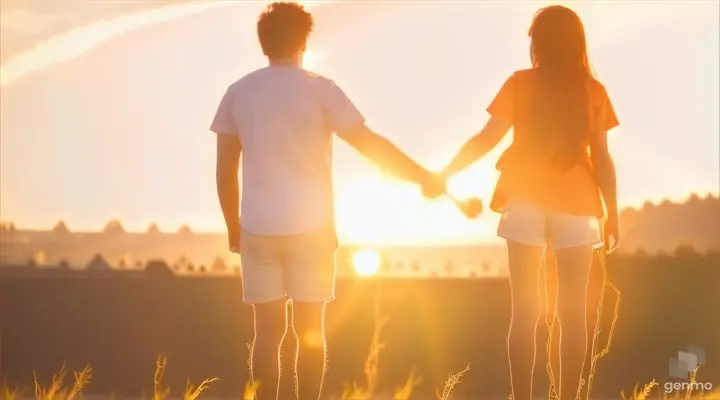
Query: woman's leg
point(524, 265)
point(549, 345)
point(573, 267)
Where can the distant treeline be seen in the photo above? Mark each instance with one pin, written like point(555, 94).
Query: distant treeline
point(690, 217)
point(666, 226)
point(654, 228)
point(435, 327)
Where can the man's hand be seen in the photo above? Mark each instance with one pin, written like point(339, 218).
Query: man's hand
point(234, 237)
point(611, 232)
point(434, 186)
point(229, 149)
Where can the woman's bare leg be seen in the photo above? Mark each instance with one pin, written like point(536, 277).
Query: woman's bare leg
point(524, 264)
point(573, 267)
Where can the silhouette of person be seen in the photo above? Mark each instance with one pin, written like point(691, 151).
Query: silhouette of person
point(282, 118)
point(554, 178)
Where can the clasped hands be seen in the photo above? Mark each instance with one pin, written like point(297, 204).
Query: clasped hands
point(434, 185)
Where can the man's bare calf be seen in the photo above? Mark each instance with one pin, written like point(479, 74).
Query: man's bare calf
point(270, 329)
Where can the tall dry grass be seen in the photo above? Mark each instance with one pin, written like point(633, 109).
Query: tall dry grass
point(688, 394)
point(551, 318)
point(367, 391)
point(59, 389)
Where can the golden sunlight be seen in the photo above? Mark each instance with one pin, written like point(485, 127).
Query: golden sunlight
point(366, 262)
point(380, 211)
point(314, 339)
point(311, 59)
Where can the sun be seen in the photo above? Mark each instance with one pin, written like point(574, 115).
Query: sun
point(366, 262)
point(312, 59)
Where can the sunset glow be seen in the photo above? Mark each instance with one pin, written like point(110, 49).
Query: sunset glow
point(366, 262)
point(106, 85)
point(338, 199)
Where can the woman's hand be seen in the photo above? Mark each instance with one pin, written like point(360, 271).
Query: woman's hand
point(611, 232)
point(471, 208)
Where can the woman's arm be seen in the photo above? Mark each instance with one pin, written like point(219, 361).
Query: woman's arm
point(604, 168)
point(479, 145)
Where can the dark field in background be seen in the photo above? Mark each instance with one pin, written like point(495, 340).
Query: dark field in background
point(437, 326)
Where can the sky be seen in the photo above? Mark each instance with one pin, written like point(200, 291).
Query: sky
point(110, 120)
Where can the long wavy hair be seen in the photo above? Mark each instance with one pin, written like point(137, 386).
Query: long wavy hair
point(559, 106)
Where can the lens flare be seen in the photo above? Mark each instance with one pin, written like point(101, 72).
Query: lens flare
point(366, 262)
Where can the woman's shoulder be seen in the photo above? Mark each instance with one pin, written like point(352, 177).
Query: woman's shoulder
point(595, 84)
point(597, 89)
point(524, 74)
point(521, 78)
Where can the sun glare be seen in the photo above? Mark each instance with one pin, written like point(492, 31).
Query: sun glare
point(366, 262)
point(311, 59)
point(377, 212)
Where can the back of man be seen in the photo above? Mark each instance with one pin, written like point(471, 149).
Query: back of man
point(287, 145)
point(285, 117)
point(282, 118)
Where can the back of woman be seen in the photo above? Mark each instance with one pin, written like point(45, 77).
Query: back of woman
point(555, 108)
point(557, 181)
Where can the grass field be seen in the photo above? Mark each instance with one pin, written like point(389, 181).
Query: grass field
point(66, 386)
point(70, 386)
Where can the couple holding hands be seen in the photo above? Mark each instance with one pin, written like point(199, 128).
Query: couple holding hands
point(557, 184)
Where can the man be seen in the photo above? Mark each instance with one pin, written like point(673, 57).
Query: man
point(282, 118)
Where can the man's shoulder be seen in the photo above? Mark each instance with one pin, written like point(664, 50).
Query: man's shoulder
point(316, 76)
point(248, 78)
point(318, 79)
point(268, 74)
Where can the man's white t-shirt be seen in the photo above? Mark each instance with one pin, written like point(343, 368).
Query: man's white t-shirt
point(285, 118)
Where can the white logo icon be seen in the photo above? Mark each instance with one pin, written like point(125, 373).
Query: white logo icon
point(686, 362)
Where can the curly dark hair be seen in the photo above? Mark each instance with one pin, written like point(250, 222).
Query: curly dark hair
point(283, 29)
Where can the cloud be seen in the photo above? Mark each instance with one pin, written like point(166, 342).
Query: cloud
point(22, 21)
point(70, 44)
point(79, 40)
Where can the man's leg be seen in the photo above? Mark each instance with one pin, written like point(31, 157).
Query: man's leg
point(264, 289)
point(311, 356)
point(310, 264)
point(288, 359)
point(270, 330)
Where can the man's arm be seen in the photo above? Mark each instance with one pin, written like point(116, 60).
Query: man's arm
point(479, 145)
point(349, 124)
point(384, 154)
point(229, 149)
point(604, 168)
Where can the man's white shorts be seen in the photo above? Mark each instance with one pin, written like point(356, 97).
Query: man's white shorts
point(525, 223)
point(297, 267)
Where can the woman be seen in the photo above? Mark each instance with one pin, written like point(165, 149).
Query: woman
point(554, 179)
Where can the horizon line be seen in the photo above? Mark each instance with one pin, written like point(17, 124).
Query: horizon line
point(342, 243)
point(702, 195)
